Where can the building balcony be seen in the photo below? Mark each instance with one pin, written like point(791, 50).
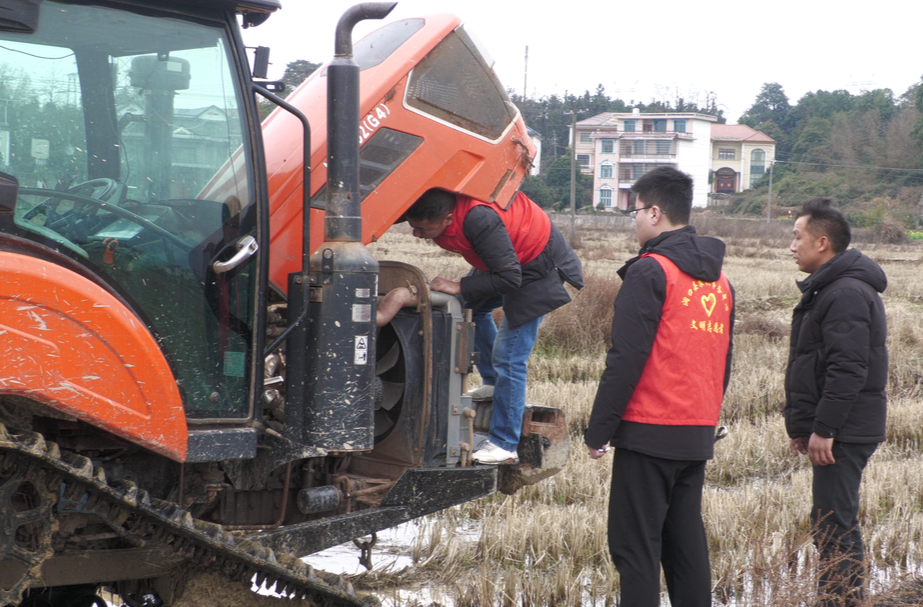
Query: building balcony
point(631, 156)
point(650, 135)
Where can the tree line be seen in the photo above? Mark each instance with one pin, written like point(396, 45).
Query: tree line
point(862, 149)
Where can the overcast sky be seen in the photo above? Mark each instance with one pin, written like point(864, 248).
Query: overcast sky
point(641, 51)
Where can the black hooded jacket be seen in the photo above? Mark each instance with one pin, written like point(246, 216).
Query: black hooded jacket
point(530, 290)
point(638, 309)
point(837, 375)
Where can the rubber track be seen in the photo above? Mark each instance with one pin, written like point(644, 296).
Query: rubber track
point(122, 504)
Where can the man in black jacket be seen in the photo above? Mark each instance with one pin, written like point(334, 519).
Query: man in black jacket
point(521, 262)
point(660, 396)
point(835, 385)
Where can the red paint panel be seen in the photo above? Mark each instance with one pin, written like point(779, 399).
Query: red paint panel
point(68, 343)
point(449, 158)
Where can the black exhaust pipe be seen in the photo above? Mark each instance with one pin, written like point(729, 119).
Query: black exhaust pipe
point(343, 222)
point(343, 279)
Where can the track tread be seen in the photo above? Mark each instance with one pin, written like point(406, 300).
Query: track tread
point(136, 513)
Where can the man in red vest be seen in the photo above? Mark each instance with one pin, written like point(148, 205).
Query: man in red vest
point(521, 262)
point(660, 395)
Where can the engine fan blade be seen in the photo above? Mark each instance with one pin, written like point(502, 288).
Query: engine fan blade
point(383, 422)
point(387, 361)
point(391, 394)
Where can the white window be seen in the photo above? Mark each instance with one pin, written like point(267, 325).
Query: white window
point(605, 198)
point(583, 161)
point(726, 154)
point(605, 170)
point(585, 137)
point(607, 146)
point(665, 147)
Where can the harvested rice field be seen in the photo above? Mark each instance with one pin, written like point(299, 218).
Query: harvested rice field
point(546, 545)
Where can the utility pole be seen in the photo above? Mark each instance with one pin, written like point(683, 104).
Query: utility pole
point(769, 200)
point(525, 76)
point(573, 174)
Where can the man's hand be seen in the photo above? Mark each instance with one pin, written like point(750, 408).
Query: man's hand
point(445, 285)
point(799, 446)
point(820, 450)
point(597, 453)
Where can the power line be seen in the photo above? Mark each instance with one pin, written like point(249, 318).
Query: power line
point(867, 167)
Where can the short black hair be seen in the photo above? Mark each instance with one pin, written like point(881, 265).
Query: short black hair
point(433, 205)
point(826, 220)
point(668, 188)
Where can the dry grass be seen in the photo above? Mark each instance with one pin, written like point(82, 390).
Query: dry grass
point(546, 545)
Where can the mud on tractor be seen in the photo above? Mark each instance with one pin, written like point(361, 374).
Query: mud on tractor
point(193, 375)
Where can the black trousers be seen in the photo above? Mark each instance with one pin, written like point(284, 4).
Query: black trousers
point(655, 518)
point(835, 520)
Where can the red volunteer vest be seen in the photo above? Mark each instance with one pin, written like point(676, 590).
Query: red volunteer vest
point(527, 224)
point(683, 380)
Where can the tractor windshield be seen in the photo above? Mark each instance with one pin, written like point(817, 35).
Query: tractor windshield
point(116, 125)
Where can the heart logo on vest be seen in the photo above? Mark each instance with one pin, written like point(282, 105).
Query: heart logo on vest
point(709, 302)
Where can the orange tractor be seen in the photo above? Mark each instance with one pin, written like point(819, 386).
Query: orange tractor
point(193, 373)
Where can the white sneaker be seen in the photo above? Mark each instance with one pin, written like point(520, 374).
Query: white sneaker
point(493, 454)
point(483, 392)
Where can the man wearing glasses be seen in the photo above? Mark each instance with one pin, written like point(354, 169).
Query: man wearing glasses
point(659, 398)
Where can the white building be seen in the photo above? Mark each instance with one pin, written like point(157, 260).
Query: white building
point(617, 148)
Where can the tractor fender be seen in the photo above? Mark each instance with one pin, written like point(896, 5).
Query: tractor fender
point(71, 345)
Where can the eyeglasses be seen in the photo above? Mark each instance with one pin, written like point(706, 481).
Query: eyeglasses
point(635, 212)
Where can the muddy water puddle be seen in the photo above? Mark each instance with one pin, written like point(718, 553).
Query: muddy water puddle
point(391, 555)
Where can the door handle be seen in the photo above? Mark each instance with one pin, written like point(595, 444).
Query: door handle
point(246, 247)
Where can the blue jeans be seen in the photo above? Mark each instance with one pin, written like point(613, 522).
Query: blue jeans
point(504, 355)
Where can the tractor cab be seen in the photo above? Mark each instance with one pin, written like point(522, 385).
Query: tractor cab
point(113, 122)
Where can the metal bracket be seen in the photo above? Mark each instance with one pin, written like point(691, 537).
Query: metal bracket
point(365, 558)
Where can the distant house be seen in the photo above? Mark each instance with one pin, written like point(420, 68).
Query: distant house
point(740, 157)
point(617, 148)
point(201, 140)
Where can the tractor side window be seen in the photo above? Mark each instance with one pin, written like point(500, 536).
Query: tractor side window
point(455, 83)
point(380, 156)
point(378, 46)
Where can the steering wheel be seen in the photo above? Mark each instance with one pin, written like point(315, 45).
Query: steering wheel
point(54, 219)
point(98, 189)
point(101, 188)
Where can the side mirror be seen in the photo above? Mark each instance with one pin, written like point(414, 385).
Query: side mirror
point(9, 193)
point(261, 62)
